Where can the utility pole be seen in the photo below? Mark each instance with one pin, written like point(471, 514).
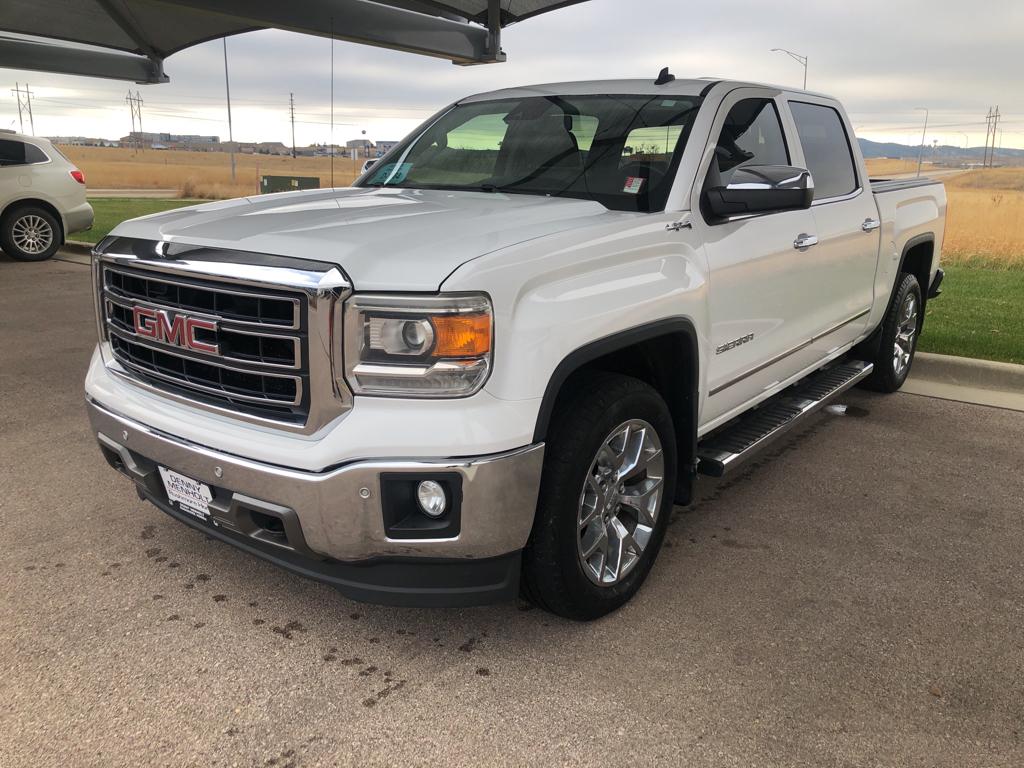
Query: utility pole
point(291, 111)
point(24, 105)
point(135, 105)
point(995, 127)
point(924, 133)
point(227, 90)
point(988, 133)
point(992, 125)
point(332, 102)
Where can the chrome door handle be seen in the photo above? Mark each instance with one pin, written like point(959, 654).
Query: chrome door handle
point(804, 241)
point(870, 225)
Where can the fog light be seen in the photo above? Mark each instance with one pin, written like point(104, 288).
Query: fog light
point(432, 498)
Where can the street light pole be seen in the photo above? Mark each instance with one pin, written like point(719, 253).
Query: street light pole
point(924, 133)
point(796, 57)
point(227, 89)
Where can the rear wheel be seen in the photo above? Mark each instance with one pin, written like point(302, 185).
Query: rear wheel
point(30, 234)
point(605, 499)
point(899, 333)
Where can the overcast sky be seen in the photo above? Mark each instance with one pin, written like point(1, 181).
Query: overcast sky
point(883, 58)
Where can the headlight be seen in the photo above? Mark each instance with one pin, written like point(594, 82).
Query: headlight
point(418, 346)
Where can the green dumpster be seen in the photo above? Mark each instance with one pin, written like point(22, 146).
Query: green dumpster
point(270, 184)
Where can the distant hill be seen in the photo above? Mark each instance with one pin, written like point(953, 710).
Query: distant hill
point(872, 149)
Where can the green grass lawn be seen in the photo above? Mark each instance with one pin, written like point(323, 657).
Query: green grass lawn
point(112, 211)
point(979, 314)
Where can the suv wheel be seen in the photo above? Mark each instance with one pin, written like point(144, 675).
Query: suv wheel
point(900, 329)
point(605, 498)
point(30, 234)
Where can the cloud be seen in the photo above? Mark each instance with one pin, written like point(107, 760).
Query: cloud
point(881, 58)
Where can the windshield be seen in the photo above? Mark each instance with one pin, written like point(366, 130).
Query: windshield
point(621, 151)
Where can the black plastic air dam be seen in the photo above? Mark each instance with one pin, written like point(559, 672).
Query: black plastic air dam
point(406, 581)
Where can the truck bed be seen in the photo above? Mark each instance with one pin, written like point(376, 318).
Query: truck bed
point(881, 186)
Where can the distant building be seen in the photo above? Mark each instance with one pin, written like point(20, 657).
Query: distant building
point(149, 139)
point(253, 148)
point(383, 147)
point(360, 148)
point(82, 141)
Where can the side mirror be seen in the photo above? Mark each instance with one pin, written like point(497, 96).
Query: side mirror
point(762, 189)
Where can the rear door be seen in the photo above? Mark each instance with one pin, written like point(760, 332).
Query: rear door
point(846, 221)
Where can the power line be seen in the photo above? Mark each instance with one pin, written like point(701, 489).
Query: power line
point(24, 105)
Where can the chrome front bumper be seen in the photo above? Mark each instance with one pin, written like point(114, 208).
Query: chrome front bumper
point(334, 515)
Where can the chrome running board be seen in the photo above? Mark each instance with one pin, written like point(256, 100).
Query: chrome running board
point(727, 449)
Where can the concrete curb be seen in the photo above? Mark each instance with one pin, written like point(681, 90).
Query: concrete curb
point(966, 380)
point(78, 247)
point(968, 372)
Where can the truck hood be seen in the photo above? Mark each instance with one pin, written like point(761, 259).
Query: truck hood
point(383, 239)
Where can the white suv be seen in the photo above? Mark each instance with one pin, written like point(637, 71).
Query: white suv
point(42, 198)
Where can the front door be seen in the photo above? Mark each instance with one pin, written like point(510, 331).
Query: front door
point(761, 293)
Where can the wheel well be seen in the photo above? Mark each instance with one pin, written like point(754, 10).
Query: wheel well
point(918, 262)
point(32, 202)
point(663, 355)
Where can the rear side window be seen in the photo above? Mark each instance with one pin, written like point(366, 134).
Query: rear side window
point(752, 135)
point(826, 149)
point(20, 153)
point(34, 154)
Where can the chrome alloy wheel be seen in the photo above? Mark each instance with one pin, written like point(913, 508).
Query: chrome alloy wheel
point(620, 501)
point(32, 234)
point(906, 330)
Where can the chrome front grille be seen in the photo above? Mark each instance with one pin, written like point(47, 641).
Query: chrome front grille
point(242, 307)
point(230, 342)
point(244, 373)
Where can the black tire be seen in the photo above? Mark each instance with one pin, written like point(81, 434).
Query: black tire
point(21, 215)
point(553, 572)
point(887, 376)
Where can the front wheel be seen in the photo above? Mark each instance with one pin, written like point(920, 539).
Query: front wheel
point(605, 498)
point(30, 234)
point(899, 333)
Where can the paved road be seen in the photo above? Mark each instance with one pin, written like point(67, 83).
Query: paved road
point(854, 600)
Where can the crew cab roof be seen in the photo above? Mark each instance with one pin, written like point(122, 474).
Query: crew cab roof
point(679, 87)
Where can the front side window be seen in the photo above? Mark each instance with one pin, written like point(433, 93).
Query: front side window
point(621, 151)
point(752, 135)
point(826, 149)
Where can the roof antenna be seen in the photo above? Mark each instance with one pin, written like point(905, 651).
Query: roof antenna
point(664, 77)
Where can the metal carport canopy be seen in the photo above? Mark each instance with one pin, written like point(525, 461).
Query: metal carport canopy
point(129, 39)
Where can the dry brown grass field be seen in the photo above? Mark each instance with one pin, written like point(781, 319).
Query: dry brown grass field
point(884, 166)
point(985, 218)
point(204, 175)
point(985, 223)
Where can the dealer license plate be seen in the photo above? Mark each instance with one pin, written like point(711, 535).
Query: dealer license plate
point(190, 495)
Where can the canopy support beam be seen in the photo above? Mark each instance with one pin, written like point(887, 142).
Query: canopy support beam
point(47, 57)
point(360, 21)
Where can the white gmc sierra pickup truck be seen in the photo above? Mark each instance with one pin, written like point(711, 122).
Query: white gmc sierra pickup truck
point(495, 362)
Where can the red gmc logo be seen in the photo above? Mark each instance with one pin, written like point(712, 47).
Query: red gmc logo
point(179, 330)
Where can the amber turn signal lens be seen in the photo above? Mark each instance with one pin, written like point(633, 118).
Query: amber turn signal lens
point(461, 335)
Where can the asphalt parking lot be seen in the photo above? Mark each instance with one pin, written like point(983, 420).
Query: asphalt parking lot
point(854, 599)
